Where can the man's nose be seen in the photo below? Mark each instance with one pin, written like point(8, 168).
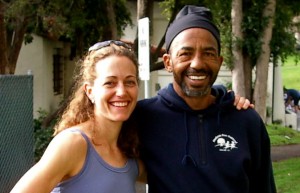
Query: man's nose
point(197, 62)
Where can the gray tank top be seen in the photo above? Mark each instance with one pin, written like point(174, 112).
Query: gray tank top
point(97, 176)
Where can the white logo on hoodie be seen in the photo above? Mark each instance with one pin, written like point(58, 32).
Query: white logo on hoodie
point(225, 142)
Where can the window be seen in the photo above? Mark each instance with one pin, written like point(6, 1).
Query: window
point(58, 72)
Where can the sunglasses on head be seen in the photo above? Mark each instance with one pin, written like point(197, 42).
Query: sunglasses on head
point(100, 45)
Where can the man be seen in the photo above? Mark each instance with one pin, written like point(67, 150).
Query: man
point(193, 139)
point(292, 97)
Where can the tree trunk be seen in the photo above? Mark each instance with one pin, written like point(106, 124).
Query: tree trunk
point(260, 89)
point(10, 45)
point(16, 44)
point(248, 76)
point(238, 81)
point(112, 24)
point(141, 9)
point(3, 45)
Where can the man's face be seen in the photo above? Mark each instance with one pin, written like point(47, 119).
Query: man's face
point(194, 61)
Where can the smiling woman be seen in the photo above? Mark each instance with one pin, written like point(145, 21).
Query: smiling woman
point(114, 91)
point(94, 144)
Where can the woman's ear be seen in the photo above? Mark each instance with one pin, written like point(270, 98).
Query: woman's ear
point(88, 89)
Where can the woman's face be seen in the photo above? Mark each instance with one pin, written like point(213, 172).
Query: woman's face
point(115, 89)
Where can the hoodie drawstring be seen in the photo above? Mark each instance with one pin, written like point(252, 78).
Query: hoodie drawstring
point(187, 157)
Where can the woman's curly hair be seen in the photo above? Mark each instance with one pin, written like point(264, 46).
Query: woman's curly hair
point(80, 109)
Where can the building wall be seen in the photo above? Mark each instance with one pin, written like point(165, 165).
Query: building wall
point(36, 58)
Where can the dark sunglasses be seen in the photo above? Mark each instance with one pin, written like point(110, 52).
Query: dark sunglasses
point(100, 45)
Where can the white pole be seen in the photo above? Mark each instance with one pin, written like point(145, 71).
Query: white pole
point(144, 52)
point(147, 86)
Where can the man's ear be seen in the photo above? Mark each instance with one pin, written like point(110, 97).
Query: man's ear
point(167, 62)
point(221, 60)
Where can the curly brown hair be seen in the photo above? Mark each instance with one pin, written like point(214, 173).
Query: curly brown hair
point(80, 109)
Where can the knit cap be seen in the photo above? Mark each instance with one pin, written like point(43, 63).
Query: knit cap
point(191, 16)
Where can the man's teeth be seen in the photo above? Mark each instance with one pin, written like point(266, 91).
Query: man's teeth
point(197, 77)
point(120, 104)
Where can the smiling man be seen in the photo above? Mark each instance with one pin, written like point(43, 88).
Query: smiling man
point(193, 138)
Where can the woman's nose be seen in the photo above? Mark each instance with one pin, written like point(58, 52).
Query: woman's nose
point(120, 90)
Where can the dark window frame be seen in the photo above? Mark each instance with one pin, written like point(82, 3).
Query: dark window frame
point(58, 72)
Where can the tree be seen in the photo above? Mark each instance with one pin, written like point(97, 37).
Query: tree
point(251, 47)
point(262, 65)
point(237, 54)
point(259, 42)
point(260, 46)
point(11, 35)
point(81, 22)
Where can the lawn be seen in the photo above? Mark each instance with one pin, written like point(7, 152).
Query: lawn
point(286, 173)
point(280, 135)
point(291, 73)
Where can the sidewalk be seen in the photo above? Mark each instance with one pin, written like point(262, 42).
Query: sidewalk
point(279, 153)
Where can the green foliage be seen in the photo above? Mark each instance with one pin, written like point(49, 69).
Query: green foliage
point(280, 135)
point(175, 5)
point(253, 25)
point(82, 22)
point(283, 40)
point(287, 175)
point(167, 6)
point(42, 136)
point(222, 16)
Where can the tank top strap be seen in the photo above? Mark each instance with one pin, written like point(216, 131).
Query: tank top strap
point(83, 135)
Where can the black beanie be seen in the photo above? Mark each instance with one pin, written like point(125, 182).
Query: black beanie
point(191, 16)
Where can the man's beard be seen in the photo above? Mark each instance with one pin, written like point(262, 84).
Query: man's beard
point(197, 92)
point(194, 93)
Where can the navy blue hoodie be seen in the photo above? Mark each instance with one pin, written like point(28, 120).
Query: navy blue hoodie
point(216, 150)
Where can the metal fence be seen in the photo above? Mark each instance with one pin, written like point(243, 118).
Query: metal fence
point(16, 128)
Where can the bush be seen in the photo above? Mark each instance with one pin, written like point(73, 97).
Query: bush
point(42, 135)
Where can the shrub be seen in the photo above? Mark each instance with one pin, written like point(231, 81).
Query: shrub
point(42, 135)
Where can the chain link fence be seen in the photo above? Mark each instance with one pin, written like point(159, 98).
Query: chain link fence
point(16, 128)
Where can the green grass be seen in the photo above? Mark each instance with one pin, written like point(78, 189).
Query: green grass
point(291, 73)
point(287, 175)
point(287, 172)
point(280, 135)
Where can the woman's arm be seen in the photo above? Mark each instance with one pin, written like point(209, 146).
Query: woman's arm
point(62, 159)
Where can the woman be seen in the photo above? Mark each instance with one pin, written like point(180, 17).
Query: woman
point(93, 151)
